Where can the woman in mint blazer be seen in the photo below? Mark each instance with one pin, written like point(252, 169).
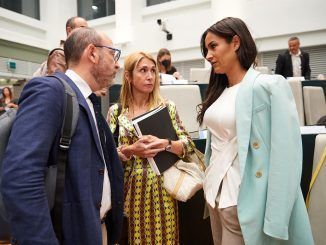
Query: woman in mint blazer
point(268, 207)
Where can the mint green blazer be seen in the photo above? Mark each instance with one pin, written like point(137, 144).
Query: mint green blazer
point(271, 208)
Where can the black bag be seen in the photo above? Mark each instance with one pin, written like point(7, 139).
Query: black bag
point(54, 175)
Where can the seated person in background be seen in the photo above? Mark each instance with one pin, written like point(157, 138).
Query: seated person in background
point(164, 63)
point(293, 62)
point(7, 100)
point(152, 212)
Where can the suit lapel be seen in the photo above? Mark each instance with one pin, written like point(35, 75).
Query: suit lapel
point(302, 58)
point(243, 107)
point(82, 102)
point(289, 61)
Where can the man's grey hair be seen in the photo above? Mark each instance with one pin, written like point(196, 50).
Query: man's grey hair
point(78, 40)
point(294, 39)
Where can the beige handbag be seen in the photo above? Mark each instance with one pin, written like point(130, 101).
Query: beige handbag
point(185, 177)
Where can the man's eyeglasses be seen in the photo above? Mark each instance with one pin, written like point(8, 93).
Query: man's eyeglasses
point(117, 52)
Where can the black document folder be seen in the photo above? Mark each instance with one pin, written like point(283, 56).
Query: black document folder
point(158, 123)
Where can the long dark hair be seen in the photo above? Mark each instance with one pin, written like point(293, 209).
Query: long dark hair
point(3, 93)
point(226, 28)
point(161, 53)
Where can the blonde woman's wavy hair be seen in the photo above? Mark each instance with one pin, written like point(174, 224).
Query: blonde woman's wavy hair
point(130, 64)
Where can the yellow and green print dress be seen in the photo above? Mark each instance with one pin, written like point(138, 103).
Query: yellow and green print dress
point(152, 212)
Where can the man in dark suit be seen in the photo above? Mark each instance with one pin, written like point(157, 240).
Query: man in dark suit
point(293, 62)
point(93, 191)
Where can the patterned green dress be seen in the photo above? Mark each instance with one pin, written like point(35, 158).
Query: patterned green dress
point(152, 212)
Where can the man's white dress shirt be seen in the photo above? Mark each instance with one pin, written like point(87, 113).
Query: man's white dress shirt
point(296, 64)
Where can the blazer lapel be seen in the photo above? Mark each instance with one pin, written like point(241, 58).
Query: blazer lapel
point(244, 115)
point(303, 61)
point(82, 102)
point(289, 61)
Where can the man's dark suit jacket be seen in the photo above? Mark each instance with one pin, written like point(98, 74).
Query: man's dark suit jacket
point(284, 65)
point(34, 144)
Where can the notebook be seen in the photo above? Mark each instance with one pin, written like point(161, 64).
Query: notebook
point(158, 122)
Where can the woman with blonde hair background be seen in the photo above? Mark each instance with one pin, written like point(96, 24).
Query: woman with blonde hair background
point(152, 212)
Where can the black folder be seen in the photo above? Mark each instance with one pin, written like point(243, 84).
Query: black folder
point(158, 123)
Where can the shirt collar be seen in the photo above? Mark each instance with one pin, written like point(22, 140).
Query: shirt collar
point(80, 83)
point(298, 54)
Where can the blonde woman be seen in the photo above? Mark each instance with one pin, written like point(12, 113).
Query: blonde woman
point(152, 212)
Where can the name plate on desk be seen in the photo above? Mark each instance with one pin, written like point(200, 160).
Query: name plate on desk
point(313, 130)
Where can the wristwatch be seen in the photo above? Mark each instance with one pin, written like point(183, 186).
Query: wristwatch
point(169, 146)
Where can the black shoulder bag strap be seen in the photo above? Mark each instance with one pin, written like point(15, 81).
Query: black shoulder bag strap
point(116, 131)
point(70, 118)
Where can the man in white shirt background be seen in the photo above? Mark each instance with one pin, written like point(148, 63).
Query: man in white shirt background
point(294, 62)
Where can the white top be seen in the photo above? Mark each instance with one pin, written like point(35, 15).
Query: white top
point(223, 173)
point(296, 64)
point(86, 92)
